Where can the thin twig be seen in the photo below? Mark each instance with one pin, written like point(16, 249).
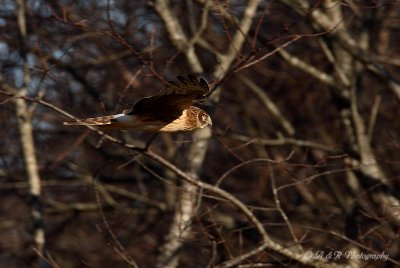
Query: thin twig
point(374, 115)
point(281, 211)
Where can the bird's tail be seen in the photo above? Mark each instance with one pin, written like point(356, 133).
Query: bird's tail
point(94, 121)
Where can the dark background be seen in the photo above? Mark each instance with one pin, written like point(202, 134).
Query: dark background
point(315, 122)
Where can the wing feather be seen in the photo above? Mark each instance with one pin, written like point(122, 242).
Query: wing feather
point(170, 102)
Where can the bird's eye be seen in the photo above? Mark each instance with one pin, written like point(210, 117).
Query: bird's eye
point(202, 118)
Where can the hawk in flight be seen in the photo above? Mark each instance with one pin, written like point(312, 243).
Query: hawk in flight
point(169, 110)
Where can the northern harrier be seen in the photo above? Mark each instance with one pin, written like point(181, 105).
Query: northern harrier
point(169, 110)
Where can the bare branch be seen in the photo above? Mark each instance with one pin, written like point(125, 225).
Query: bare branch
point(269, 104)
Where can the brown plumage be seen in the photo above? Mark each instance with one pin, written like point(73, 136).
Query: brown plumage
point(169, 110)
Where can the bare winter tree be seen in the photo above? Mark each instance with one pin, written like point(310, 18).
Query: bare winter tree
point(300, 167)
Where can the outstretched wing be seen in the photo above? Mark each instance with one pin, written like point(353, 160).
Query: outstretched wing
point(170, 102)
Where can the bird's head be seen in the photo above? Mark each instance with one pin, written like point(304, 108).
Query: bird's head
point(203, 119)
